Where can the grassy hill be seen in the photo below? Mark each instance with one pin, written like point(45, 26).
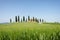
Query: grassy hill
point(30, 31)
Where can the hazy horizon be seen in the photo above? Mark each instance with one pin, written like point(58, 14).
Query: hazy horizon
point(49, 10)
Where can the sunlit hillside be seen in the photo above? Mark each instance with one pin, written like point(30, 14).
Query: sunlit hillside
point(29, 31)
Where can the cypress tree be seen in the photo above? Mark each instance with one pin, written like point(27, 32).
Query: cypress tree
point(40, 20)
point(10, 20)
point(28, 18)
point(23, 18)
point(18, 19)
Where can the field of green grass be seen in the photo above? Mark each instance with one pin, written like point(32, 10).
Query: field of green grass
point(30, 31)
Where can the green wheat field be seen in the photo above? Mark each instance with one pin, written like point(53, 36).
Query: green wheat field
point(30, 31)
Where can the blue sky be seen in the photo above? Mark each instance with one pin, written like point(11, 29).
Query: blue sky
point(48, 10)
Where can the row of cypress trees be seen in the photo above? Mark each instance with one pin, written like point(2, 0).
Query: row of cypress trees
point(17, 19)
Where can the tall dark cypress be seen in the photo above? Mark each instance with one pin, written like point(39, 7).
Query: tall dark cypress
point(10, 20)
point(23, 18)
point(40, 20)
point(28, 18)
point(18, 19)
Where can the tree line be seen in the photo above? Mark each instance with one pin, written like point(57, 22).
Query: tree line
point(23, 19)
